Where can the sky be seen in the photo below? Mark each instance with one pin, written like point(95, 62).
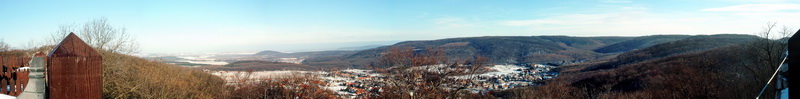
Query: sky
point(203, 26)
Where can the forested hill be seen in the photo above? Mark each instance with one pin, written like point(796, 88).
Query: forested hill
point(509, 49)
point(557, 50)
point(639, 42)
point(706, 66)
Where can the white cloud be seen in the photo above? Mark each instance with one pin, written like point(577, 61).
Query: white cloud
point(760, 14)
point(616, 1)
point(453, 22)
point(634, 8)
point(757, 7)
point(638, 20)
point(753, 1)
point(637, 24)
point(571, 19)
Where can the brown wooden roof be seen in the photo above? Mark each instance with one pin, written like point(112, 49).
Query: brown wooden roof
point(73, 46)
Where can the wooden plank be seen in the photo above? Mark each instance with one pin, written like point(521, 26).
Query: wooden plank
point(3, 81)
point(11, 62)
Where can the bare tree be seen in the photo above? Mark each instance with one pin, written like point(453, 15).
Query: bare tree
point(763, 56)
point(99, 34)
point(426, 73)
point(4, 46)
point(769, 49)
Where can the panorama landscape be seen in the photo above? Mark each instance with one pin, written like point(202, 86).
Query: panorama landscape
point(411, 49)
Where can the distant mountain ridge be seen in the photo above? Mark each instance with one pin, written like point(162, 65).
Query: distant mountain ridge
point(500, 50)
point(359, 47)
point(508, 49)
point(505, 49)
point(276, 54)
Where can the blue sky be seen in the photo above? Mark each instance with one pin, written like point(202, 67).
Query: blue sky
point(192, 26)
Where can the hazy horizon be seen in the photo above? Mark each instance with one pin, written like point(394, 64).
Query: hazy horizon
point(292, 26)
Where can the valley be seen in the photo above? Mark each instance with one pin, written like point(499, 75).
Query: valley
point(359, 83)
point(398, 49)
point(517, 63)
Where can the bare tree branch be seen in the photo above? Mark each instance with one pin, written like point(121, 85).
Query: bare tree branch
point(99, 34)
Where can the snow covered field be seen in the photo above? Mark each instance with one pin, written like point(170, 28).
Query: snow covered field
point(208, 62)
point(497, 71)
point(503, 69)
point(231, 75)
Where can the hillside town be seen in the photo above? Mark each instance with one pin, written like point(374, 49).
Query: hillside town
point(357, 83)
point(353, 83)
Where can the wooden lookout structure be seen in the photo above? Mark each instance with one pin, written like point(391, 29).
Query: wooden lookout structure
point(74, 70)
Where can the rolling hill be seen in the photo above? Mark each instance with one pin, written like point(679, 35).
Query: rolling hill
point(639, 42)
point(556, 50)
point(687, 45)
point(500, 49)
point(510, 49)
point(705, 66)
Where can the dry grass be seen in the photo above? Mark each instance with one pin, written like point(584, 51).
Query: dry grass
point(298, 86)
point(132, 77)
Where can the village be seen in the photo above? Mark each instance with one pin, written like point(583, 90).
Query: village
point(353, 83)
point(357, 83)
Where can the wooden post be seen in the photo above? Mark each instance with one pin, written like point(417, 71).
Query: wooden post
point(74, 70)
